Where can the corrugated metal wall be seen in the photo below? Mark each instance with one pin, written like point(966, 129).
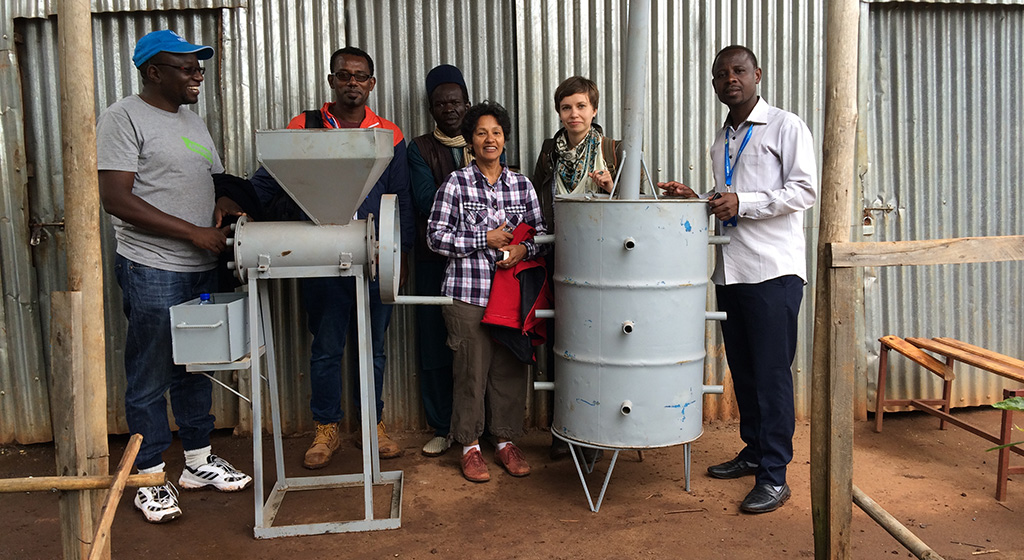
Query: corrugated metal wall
point(272, 64)
point(944, 149)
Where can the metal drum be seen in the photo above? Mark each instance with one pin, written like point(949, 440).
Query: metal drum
point(630, 291)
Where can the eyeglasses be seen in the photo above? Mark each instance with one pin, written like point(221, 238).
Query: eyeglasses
point(188, 70)
point(345, 76)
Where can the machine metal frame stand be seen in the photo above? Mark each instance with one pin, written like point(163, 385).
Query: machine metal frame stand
point(266, 510)
point(588, 466)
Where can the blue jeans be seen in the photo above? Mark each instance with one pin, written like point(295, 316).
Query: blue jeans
point(147, 293)
point(330, 308)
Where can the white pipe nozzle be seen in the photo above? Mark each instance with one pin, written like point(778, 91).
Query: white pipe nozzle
point(626, 407)
point(627, 327)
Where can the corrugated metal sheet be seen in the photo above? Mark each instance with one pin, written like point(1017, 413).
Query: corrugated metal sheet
point(23, 403)
point(944, 149)
point(46, 8)
point(272, 64)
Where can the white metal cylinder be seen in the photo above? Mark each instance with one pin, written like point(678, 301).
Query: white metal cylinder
point(301, 244)
point(601, 288)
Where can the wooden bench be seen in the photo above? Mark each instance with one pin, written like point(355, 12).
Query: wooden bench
point(954, 350)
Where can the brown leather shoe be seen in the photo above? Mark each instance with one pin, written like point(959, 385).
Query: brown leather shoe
point(511, 457)
point(386, 447)
point(474, 468)
point(325, 443)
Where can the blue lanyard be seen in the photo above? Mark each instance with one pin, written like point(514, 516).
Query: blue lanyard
point(728, 163)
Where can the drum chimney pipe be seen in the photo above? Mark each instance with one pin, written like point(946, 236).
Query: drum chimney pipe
point(634, 95)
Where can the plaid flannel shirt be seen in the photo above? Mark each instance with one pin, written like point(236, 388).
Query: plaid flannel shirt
point(465, 208)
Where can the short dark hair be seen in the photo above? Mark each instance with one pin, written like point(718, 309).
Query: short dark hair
point(351, 51)
point(574, 85)
point(479, 110)
point(750, 53)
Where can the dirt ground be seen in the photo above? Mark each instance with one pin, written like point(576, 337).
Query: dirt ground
point(938, 483)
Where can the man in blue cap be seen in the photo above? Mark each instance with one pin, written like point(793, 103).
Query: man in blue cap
point(155, 161)
point(431, 158)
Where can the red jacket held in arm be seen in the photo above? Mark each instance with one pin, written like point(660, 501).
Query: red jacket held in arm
point(516, 294)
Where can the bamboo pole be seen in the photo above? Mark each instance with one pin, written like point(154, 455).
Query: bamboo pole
point(832, 378)
point(85, 270)
point(909, 540)
point(68, 483)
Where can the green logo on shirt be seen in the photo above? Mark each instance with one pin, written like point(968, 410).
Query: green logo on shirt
point(199, 149)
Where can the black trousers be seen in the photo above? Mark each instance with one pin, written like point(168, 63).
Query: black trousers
point(760, 343)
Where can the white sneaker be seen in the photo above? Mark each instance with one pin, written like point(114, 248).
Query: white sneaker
point(217, 473)
point(158, 503)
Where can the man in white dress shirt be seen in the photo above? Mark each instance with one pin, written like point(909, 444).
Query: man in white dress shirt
point(765, 177)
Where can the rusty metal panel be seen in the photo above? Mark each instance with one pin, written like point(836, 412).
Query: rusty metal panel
point(24, 413)
point(941, 158)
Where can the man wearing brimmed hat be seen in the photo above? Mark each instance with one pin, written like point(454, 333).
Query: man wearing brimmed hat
point(431, 158)
point(155, 162)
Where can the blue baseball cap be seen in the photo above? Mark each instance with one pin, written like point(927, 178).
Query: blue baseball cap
point(166, 40)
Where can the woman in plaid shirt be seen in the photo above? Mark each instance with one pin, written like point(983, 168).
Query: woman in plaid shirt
point(471, 223)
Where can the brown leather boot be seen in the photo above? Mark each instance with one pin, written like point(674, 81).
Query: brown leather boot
point(325, 443)
point(386, 447)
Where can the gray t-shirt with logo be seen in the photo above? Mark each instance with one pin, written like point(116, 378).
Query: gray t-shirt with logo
point(173, 157)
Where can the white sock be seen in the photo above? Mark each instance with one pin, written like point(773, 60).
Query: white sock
point(501, 445)
point(778, 488)
point(196, 458)
point(153, 469)
point(468, 448)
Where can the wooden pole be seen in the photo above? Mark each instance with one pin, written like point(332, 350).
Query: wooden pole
point(832, 384)
point(68, 405)
point(84, 258)
point(66, 483)
point(124, 468)
point(908, 539)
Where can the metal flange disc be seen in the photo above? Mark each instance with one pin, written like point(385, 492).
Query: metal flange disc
point(389, 260)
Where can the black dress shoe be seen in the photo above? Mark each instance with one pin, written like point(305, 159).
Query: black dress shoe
point(764, 498)
point(735, 468)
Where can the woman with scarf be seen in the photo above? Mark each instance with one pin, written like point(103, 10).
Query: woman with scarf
point(472, 221)
point(579, 159)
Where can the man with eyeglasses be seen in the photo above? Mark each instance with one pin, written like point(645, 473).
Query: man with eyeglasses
point(155, 162)
point(330, 302)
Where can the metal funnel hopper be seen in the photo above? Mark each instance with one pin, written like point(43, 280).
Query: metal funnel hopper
point(327, 172)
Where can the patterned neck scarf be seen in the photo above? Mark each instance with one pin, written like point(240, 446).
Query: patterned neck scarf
point(456, 142)
point(574, 163)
